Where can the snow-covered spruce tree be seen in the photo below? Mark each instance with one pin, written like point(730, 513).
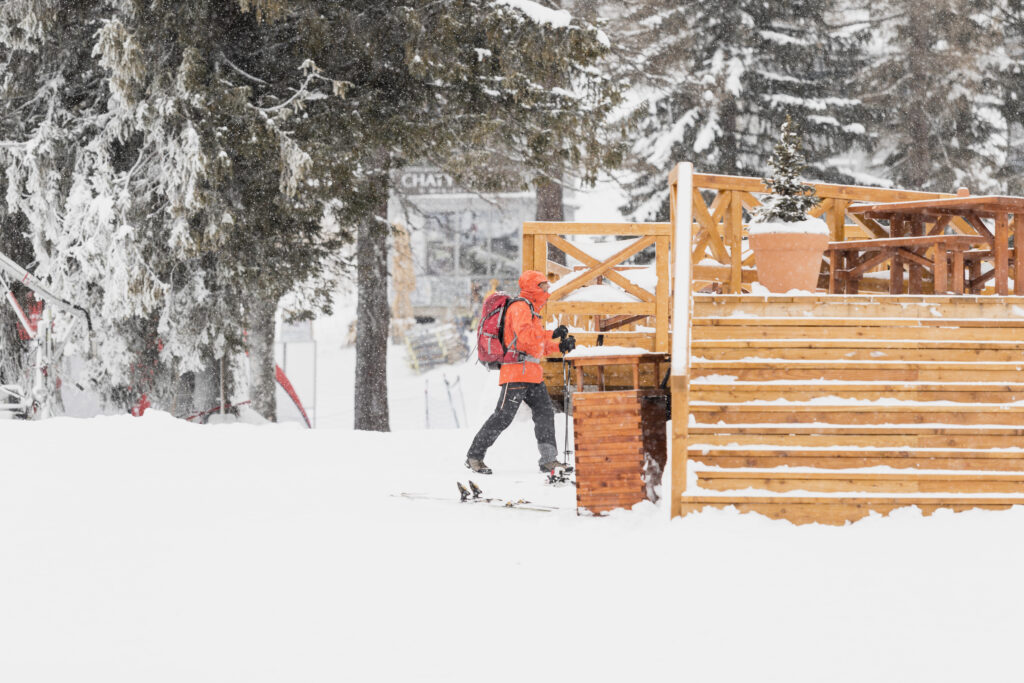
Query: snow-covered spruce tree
point(1006, 70)
point(791, 197)
point(936, 117)
point(165, 183)
point(719, 78)
point(496, 93)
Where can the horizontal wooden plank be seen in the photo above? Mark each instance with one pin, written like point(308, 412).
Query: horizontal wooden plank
point(911, 242)
point(854, 298)
point(874, 350)
point(642, 340)
point(829, 437)
point(843, 482)
point(600, 308)
point(619, 500)
point(832, 458)
point(962, 414)
point(838, 511)
point(986, 323)
point(998, 310)
point(867, 331)
point(581, 228)
point(909, 374)
point(710, 181)
point(731, 393)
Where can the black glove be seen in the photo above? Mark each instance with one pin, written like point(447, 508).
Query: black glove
point(560, 331)
point(567, 344)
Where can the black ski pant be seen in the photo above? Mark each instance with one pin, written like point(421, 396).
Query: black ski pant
point(512, 394)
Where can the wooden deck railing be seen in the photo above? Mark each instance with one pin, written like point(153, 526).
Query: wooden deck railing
point(719, 222)
point(604, 317)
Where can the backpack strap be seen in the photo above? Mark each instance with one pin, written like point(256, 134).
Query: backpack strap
point(520, 355)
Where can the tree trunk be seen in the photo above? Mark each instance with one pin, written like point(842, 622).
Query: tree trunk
point(206, 387)
point(550, 207)
point(917, 172)
point(549, 201)
point(262, 382)
point(728, 149)
point(373, 316)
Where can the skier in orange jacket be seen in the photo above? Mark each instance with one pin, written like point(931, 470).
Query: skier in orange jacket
point(523, 381)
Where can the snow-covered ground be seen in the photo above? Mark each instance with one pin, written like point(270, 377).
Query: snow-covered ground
point(149, 549)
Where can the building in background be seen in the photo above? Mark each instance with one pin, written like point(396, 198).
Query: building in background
point(461, 240)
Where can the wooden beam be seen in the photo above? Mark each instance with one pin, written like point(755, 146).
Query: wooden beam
point(940, 273)
point(857, 193)
point(705, 220)
point(749, 200)
point(568, 228)
point(940, 224)
point(735, 236)
point(572, 250)
point(1017, 224)
point(870, 225)
point(876, 260)
point(1002, 256)
point(616, 321)
point(680, 388)
point(958, 271)
point(916, 258)
point(837, 220)
point(600, 308)
point(661, 293)
point(820, 209)
point(528, 252)
point(606, 266)
point(975, 222)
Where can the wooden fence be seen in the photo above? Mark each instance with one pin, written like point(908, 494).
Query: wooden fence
point(612, 320)
point(722, 206)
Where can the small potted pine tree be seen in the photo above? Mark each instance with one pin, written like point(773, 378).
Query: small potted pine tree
point(787, 244)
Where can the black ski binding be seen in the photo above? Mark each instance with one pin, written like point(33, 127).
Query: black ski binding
point(475, 489)
point(463, 492)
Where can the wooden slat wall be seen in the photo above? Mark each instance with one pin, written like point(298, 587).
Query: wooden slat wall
point(615, 432)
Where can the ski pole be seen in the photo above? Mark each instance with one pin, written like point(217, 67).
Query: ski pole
point(565, 405)
point(451, 403)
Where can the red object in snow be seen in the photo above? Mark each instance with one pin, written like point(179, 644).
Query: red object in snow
point(141, 406)
point(28, 323)
point(282, 379)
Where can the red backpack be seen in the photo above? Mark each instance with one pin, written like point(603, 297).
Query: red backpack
point(490, 332)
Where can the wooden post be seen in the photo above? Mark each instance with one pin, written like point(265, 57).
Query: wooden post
point(661, 294)
point(1018, 251)
point(680, 382)
point(1002, 255)
point(837, 220)
point(941, 276)
point(528, 252)
point(897, 228)
point(958, 270)
point(734, 228)
point(833, 270)
point(540, 254)
point(680, 385)
point(973, 273)
point(914, 285)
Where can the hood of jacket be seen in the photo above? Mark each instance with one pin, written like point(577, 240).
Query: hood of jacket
point(529, 288)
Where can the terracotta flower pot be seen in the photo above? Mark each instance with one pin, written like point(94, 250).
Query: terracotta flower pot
point(788, 260)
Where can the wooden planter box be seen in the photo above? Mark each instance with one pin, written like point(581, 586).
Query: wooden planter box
point(615, 433)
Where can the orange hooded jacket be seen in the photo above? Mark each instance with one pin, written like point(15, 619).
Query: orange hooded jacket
point(525, 332)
